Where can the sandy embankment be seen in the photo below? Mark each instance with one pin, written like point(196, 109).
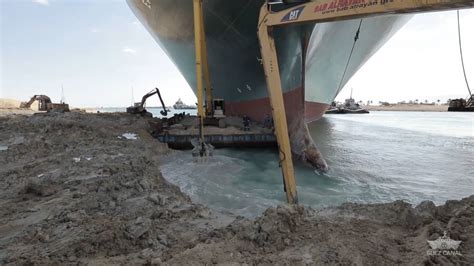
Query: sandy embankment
point(9, 103)
point(11, 106)
point(410, 107)
point(73, 192)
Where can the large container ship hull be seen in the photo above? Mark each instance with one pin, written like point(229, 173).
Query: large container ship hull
point(312, 58)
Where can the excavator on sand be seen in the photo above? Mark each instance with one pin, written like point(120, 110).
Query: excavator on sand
point(45, 104)
point(139, 108)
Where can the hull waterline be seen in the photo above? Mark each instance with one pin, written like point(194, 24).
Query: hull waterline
point(311, 59)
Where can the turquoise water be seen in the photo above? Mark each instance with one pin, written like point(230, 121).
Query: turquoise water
point(378, 157)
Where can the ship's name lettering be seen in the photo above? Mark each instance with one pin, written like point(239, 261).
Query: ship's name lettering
point(340, 5)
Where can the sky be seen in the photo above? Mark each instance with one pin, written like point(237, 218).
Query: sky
point(421, 61)
point(100, 54)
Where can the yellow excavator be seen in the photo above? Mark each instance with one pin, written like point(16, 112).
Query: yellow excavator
point(45, 104)
point(301, 11)
point(318, 11)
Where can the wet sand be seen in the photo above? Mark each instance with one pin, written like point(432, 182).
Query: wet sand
point(74, 190)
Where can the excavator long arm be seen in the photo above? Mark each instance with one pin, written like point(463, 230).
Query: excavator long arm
point(28, 103)
point(334, 10)
point(315, 12)
point(146, 96)
point(42, 99)
point(140, 107)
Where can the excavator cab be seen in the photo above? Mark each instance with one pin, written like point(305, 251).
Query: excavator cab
point(45, 104)
point(218, 106)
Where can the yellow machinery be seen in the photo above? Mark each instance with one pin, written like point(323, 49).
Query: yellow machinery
point(199, 43)
point(218, 108)
point(214, 107)
point(316, 12)
point(202, 67)
point(45, 104)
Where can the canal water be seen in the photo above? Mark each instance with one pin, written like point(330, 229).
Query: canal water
point(373, 158)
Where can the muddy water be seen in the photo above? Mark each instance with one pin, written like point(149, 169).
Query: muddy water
point(379, 157)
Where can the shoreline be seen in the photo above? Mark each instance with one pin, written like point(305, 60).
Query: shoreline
point(77, 191)
point(409, 108)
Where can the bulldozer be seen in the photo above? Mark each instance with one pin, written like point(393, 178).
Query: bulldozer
point(45, 104)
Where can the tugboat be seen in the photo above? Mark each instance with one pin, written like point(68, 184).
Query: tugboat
point(349, 107)
point(179, 105)
point(461, 105)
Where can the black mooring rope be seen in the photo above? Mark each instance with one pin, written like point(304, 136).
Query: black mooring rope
point(356, 37)
point(462, 58)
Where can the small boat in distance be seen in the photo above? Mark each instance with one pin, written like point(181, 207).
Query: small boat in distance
point(179, 105)
point(461, 105)
point(350, 106)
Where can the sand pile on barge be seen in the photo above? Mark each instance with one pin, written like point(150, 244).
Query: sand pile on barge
point(76, 188)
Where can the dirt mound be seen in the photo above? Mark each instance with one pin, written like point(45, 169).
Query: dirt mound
point(379, 234)
point(86, 188)
point(74, 189)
